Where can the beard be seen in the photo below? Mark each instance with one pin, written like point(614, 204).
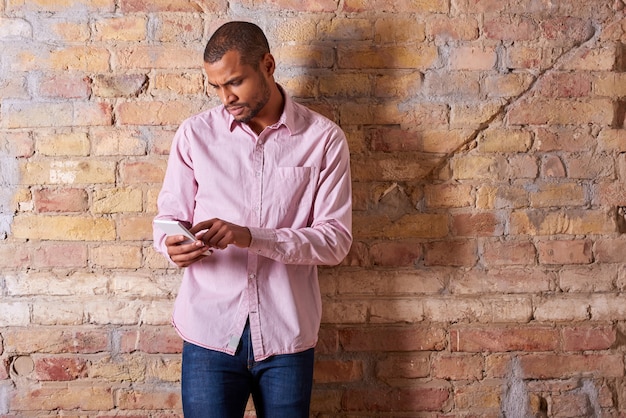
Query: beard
point(253, 108)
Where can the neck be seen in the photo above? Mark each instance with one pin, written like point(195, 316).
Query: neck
point(271, 111)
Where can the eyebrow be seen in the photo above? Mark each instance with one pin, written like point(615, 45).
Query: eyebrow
point(230, 81)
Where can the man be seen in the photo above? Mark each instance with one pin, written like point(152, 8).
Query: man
point(264, 184)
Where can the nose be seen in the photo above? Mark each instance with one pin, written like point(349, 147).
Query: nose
point(226, 95)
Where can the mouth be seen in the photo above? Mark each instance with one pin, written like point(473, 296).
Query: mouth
point(236, 110)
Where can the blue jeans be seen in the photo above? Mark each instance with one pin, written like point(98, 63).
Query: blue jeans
point(218, 385)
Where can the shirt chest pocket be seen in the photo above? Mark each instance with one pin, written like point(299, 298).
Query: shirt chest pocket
point(290, 192)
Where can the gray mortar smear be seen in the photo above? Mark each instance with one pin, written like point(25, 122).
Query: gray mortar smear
point(9, 175)
point(515, 400)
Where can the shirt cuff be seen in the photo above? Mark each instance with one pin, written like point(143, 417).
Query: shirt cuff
point(263, 240)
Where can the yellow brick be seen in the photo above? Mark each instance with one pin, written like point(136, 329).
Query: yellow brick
point(345, 29)
point(398, 85)
point(68, 172)
point(507, 85)
point(25, 114)
point(419, 57)
point(409, 226)
point(116, 256)
point(569, 194)
point(127, 28)
point(72, 31)
point(612, 140)
point(473, 58)
point(311, 56)
point(62, 144)
point(299, 86)
point(345, 85)
point(475, 167)
point(117, 200)
point(135, 228)
point(493, 197)
point(36, 114)
point(158, 57)
point(562, 112)
point(504, 140)
point(592, 59)
point(610, 84)
point(157, 113)
point(61, 5)
point(571, 222)
point(448, 196)
point(63, 228)
point(464, 115)
point(403, 6)
point(294, 29)
point(81, 58)
point(185, 83)
point(443, 141)
point(399, 29)
point(117, 141)
point(151, 199)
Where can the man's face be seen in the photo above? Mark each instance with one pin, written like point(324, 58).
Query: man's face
point(243, 89)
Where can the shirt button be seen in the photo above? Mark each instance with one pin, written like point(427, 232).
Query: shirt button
point(251, 276)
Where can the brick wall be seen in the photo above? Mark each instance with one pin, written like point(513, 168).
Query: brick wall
point(489, 162)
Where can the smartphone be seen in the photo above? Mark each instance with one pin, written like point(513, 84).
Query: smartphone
point(175, 228)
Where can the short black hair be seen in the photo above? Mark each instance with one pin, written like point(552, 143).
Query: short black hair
point(244, 37)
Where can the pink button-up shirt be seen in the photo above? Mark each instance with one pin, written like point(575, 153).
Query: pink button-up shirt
point(290, 186)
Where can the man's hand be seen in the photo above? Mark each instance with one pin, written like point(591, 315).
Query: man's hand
point(220, 234)
point(184, 255)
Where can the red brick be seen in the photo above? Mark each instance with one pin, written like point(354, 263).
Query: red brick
point(60, 368)
point(564, 139)
point(565, 366)
point(587, 338)
point(458, 367)
point(486, 224)
point(505, 280)
point(502, 339)
point(565, 252)
point(566, 30)
point(86, 397)
point(403, 366)
point(403, 399)
point(395, 254)
point(61, 200)
point(511, 28)
point(458, 29)
point(451, 253)
point(398, 6)
point(142, 171)
point(65, 86)
point(392, 339)
point(610, 250)
point(499, 253)
point(338, 371)
point(565, 84)
point(151, 340)
point(143, 398)
point(56, 341)
point(60, 255)
point(311, 6)
point(146, 6)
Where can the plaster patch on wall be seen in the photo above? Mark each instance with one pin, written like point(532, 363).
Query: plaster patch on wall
point(589, 389)
point(9, 174)
point(515, 402)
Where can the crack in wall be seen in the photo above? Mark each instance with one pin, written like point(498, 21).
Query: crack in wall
point(502, 111)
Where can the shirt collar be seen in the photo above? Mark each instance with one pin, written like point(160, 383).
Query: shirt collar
point(287, 118)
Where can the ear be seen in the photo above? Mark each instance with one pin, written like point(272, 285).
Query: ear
point(268, 65)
